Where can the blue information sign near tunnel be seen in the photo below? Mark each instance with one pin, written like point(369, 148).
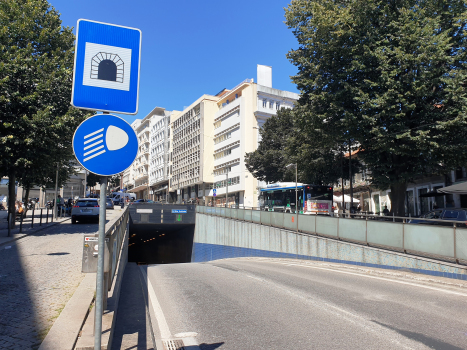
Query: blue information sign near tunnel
point(107, 66)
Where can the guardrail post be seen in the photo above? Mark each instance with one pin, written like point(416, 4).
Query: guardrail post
point(366, 230)
point(403, 235)
point(455, 245)
point(47, 216)
point(40, 219)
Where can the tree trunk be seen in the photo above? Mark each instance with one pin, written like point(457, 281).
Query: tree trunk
point(11, 198)
point(397, 196)
point(26, 197)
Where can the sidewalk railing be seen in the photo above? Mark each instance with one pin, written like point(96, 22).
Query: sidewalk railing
point(114, 238)
point(373, 230)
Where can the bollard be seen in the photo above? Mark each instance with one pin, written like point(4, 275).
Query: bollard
point(47, 216)
point(32, 220)
point(40, 219)
point(21, 223)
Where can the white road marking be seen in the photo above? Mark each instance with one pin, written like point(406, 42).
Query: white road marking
point(377, 278)
point(161, 321)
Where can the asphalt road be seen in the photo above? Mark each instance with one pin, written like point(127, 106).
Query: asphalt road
point(260, 303)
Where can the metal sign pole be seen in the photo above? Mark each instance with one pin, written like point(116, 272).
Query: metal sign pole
point(100, 268)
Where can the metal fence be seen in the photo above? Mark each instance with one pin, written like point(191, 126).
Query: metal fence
point(115, 237)
point(372, 230)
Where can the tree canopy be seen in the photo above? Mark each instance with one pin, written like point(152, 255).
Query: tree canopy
point(319, 159)
point(388, 77)
point(36, 62)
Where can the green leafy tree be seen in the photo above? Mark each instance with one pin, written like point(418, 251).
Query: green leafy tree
point(269, 161)
point(388, 77)
point(92, 179)
point(317, 155)
point(36, 61)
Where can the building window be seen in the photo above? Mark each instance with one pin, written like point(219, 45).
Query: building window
point(278, 105)
point(217, 124)
point(265, 102)
point(271, 104)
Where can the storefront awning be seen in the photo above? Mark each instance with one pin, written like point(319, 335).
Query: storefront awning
point(347, 198)
point(139, 188)
point(460, 188)
point(161, 189)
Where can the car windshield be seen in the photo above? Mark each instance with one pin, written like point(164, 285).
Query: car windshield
point(450, 214)
point(86, 204)
point(435, 214)
point(109, 201)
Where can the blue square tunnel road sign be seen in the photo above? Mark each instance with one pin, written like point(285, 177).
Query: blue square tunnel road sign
point(107, 67)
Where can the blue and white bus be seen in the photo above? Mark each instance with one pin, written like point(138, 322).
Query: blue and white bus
point(312, 199)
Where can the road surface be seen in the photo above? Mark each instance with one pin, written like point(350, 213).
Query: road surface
point(259, 303)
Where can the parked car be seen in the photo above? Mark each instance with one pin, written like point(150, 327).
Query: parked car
point(452, 214)
point(109, 204)
point(85, 209)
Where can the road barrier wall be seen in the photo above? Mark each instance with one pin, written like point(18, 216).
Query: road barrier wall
point(226, 233)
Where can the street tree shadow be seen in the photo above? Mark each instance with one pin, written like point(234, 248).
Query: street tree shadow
point(205, 346)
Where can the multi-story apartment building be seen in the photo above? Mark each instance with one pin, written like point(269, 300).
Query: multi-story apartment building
point(129, 174)
point(159, 164)
point(141, 163)
point(241, 113)
point(192, 148)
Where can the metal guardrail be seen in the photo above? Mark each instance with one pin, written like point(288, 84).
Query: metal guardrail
point(114, 237)
point(372, 230)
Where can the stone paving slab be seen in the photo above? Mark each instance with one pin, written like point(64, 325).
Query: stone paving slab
point(39, 272)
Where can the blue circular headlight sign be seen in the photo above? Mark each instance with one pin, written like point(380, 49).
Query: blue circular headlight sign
point(105, 144)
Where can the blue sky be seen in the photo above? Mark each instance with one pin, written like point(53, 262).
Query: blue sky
point(191, 48)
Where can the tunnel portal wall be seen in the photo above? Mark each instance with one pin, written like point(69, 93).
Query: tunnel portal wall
point(220, 238)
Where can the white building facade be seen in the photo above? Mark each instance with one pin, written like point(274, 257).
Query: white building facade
point(159, 165)
point(241, 112)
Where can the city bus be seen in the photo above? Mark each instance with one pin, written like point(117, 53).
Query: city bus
point(312, 199)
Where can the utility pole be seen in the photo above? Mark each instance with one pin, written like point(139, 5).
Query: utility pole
point(85, 182)
point(100, 266)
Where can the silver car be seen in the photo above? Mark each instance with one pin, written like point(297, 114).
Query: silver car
point(85, 209)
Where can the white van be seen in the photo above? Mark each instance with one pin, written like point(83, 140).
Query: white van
point(119, 195)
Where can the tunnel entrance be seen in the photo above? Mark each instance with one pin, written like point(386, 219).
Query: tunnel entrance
point(164, 244)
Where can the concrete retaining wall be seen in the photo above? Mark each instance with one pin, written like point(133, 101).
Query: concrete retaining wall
point(219, 238)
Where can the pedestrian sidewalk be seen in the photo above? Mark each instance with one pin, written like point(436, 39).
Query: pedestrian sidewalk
point(40, 271)
point(27, 228)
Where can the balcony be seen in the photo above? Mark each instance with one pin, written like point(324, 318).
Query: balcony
point(141, 176)
point(226, 108)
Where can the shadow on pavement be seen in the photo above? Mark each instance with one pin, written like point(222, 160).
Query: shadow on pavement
point(432, 343)
point(21, 325)
point(205, 346)
point(133, 328)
